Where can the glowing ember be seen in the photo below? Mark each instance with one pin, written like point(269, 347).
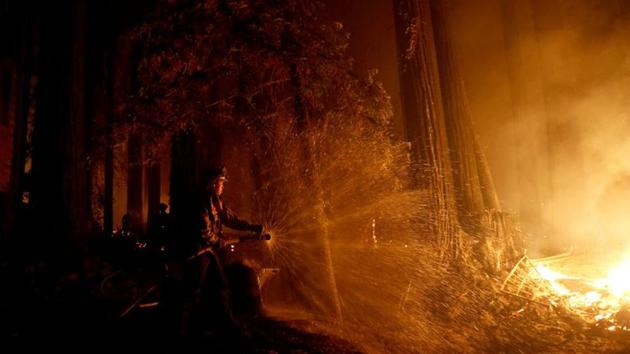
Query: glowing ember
point(603, 301)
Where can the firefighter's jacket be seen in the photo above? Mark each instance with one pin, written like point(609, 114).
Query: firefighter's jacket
point(214, 215)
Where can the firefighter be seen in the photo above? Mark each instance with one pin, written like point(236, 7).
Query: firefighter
point(212, 298)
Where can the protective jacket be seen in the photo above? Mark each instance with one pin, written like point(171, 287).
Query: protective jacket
point(214, 215)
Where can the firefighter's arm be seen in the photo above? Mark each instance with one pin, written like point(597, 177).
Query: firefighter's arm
point(204, 224)
point(231, 220)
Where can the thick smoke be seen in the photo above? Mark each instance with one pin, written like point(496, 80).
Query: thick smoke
point(549, 89)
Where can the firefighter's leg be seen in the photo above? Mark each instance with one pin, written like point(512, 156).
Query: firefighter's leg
point(172, 300)
point(215, 294)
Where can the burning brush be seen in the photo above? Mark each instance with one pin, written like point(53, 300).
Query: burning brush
point(603, 302)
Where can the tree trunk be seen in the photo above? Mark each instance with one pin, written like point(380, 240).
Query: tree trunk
point(76, 176)
point(477, 205)
point(108, 192)
point(184, 200)
point(475, 192)
point(58, 174)
point(134, 182)
point(424, 116)
point(153, 173)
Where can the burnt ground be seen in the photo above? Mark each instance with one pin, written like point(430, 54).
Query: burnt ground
point(67, 312)
point(508, 324)
point(90, 332)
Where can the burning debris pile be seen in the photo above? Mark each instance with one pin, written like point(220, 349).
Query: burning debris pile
point(601, 301)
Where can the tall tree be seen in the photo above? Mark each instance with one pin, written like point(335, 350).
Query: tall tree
point(439, 126)
point(473, 181)
point(426, 127)
point(497, 240)
point(59, 133)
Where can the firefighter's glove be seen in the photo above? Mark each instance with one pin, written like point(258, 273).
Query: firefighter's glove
point(257, 229)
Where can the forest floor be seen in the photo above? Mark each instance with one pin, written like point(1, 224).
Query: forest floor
point(482, 319)
point(514, 325)
point(66, 312)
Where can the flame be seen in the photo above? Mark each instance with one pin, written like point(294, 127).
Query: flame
point(596, 300)
point(618, 280)
point(553, 277)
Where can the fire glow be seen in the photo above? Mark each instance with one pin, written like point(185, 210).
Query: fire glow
point(602, 301)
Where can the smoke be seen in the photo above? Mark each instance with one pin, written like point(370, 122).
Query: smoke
point(596, 167)
point(549, 88)
point(587, 113)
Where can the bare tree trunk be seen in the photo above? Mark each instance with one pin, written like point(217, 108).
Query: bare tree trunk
point(154, 180)
point(424, 116)
point(184, 201)
point(108, 197)
point(23, 119)
point(474, 187)
point(109, 84)
point(76, 185)
point(134, 181)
